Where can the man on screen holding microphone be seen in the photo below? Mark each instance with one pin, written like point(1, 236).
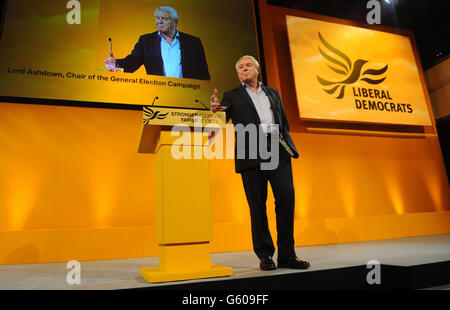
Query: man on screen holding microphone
point(167, 51)
point(253, 103)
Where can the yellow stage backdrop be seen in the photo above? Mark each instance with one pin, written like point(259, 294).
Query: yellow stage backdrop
point(349, 73)
point(72, 185)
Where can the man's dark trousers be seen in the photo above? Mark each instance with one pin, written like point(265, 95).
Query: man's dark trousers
point(255, 183)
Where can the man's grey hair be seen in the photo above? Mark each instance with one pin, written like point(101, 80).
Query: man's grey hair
point(170, 10)
point(248, 57)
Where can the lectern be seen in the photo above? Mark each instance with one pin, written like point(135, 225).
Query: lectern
point(178, 137)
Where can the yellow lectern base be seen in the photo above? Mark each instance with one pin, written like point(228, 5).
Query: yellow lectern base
point(184, 262)
point(157, 274)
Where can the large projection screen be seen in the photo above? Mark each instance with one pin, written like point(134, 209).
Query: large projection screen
point(355, 74)
point(44, 55)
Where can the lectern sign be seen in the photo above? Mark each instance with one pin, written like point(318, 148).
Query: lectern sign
point(355, 74)
point(170, 117)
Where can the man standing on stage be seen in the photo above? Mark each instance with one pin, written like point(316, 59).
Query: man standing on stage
point(253, 103)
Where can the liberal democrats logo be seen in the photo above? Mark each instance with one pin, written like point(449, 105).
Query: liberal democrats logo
point(149, 115)
point(341, 64)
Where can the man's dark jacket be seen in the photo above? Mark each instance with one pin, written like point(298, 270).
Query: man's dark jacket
point(241, 110)
point(147, 52)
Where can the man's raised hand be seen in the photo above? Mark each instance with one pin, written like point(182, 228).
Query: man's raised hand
point(215, 106)
point(110, 63)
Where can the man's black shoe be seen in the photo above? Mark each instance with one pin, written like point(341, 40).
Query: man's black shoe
point(294, 263)
point(266, 263)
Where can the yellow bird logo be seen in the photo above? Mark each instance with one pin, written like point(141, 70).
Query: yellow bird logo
point(149, 115)
point(341, 64)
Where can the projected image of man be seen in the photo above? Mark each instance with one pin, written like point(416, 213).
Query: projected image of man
point(167, 51)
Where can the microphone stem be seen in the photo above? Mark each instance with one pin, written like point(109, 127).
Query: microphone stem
point(202, 104)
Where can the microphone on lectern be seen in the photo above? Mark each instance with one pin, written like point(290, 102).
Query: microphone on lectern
point(154, 99)
point(206, 108)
